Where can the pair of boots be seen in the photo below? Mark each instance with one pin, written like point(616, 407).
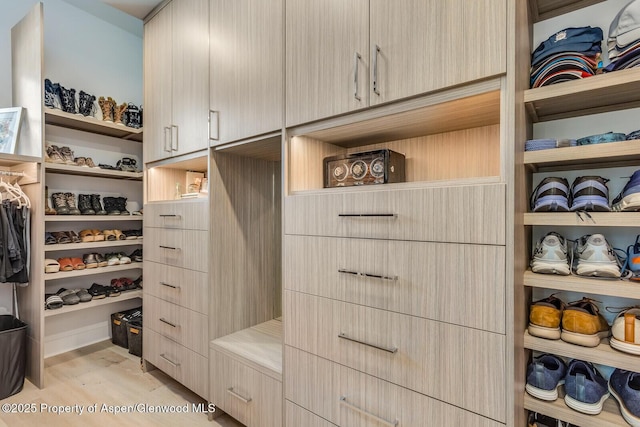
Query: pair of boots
point(65, 204)
point(57, 96)
point(116, 205)
point(89, 204)
point(111, 111)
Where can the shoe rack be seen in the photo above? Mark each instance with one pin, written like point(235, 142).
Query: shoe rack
point(573, 110)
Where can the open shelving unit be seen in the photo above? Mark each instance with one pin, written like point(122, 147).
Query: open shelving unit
point(91, 245)
point(609, 417)
point(91, 124)
point(124, 296)
point(614, 287)
point(92, 271)
point(91, 218)
point(87, 171)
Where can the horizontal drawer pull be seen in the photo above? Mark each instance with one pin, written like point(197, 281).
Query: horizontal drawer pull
point(169, 360)
point(163, 320)
point(374, 276)
point(348, 338)
point(238, 396)
point(343, 402)
point(387, 215)
point(169, 216)
point(170, 286)
point(168, 247)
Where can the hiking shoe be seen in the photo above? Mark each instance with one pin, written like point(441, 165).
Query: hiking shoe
point(596, 257)
point(551, 195)
point(625, 388)
point(590, 193)
point(586, 388)
point(118, 113)
point(97, 206)
point(550, 255)
point(59, 201)
point(71, 203)
point(84, 204)
point(544, 375)
point(629, 197)
point(106, 105)
point(582, 324)
point(545, 316)
point(625, 331)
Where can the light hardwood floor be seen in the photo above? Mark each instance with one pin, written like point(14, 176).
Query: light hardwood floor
point(106, 374)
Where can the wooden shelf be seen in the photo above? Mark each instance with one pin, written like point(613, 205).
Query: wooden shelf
point(614, 91)
point(598, 219)
point(90, 124)
point(609, 417)
point(598, 155)
point(545, 9)
point(92, 271)
point(266, 147)
point(91, 245)
point(124, 296)
point(603, 354)
point(590, 285)
point(91, 218)
point(86, 171)
point(16, 159)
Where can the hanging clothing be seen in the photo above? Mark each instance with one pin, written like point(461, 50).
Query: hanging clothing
point(14, 242)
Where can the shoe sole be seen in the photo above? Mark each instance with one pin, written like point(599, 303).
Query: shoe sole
point(586, 408)
point(582, 339)
point(550, 267)
point(51, 269)
point(538, 393)
point(544, 332)
point(628, 416)
point(597, 270)
point(91, 265)
point(625, 346)
point(628, 203)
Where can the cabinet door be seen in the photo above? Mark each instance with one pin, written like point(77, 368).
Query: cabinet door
point(157, 86)
point(432, 44)
point(323, 39)
point(247, 67)
point(190, 38)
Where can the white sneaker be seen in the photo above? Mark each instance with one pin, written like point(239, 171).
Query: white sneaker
point(596, 257)
point(550, 255)
point(625, 331)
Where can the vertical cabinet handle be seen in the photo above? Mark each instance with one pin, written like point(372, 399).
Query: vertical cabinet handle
point(238, 396)
point(174, 131)
point(343, 402)
point(356, 60)
point(214, 125)
point(167, 129)
point(376, 89)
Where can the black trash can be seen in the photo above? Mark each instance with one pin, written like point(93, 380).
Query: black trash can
point(119, 325)
point(13, 355)
point(134, 336)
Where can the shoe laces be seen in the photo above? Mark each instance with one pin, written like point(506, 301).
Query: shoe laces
point(618, 310)
point(59, 200)
point(586, 302)
point(71, 200)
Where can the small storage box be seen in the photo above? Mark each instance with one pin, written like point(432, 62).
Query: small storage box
point(134, 336)
point(371, 167)
point(13, 355)
point(119, 325)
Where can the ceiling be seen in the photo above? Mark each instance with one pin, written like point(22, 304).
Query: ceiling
point(137, 8)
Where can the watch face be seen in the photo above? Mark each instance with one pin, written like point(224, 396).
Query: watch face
point(358, 169)
point(377, 167)
point(340, 172)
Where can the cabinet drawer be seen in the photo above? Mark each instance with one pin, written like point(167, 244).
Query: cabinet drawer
point(192, 215)
point(182, 325)
point(186, 366)
point(179, 248)
point(461, 214)
point(436, 281)
point(416, 353)
point(247, 395)
point(347, 397)
point(298, 416)
point(187, 288)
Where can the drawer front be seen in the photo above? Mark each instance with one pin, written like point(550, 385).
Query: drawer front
point(349, 398)
point(186, 366)
point(437, 281)
point(298, 416)
point(187, 327)
point(178, 248)
point(183, 215)
point(252, 398)
point(416, 353)
point(461, 214)
point(187, 288)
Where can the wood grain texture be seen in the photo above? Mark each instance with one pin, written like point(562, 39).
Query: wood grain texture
point(298, 416)
point(322, 39)
point(186, 288)
point(179, 248)
point(598, 219)
point(609, 417)
point(90, 124)
point(265, 147)
point(247, 67)
point(160, 182)
point(589, 285)
point(584, 155)
point(318, 385)
point(178, 214)
point(546, 9)
point(430, 281)
point(443, 361)
point(406, 30)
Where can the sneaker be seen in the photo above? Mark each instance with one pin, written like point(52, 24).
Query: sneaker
point(551, 195)
point(97, 291)
point(540, 420)
point(590, 193)
point(136, 256)
point(550, 255)
point(632, 262)
point(586, 388)
point(582, 324)
point(625, 331)
point(545, 316)
point(595, 257)
point(51, 94)
point(629, 197)
point(544, 375)
point(112, 259)
point(625, 388)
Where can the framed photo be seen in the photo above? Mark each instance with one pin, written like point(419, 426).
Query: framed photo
point(10, 119)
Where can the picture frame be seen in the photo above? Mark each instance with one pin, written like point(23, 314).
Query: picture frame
point(10, 120)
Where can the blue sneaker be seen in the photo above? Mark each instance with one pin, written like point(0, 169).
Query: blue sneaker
point(590, 193)
point(586, 388)
point(544, 375)
point(629, 198)
point(625, 387)
point(551, 195)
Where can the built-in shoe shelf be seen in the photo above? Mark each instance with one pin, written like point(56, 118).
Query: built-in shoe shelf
point(92, 271)
point(91, 218)
point(96, 172)
point(90, 124)
point(546, 9)
point(124, 295)
point(594, 219)
point(609, 417)
point(91, 245)
point(622, 288)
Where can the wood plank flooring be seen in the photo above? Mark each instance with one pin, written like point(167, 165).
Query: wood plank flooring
point(105, 374)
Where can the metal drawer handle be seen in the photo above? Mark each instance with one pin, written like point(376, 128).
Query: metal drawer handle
point(167, 128)
point(169, 360)
point(348, 338)
point(176, 139)
point(343, 401)
point(168, 247)
point(238, 396)
point(217, 124)
point(169, 216)
point(387, 215)
point(170, 286)
point(356, 59)
point(376, 89)
point(163, 320)
point(374, 276)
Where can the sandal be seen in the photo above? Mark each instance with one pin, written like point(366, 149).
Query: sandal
point(97, 291)
point(51, 266)
point(119, 235)
point(87, 236)
point(53, 302)
point(61, 237)
point(102, 262)
point(69, 297)
point(81, 161)
point(84, 295)
point(112, 259)
point(90, 261)
point(73, 236)
point(49, 239)
point(136, 256)
point(127, 284)
point(123, 258)
point(65, 264)
point(89, 162)
point(78, 264)
point(109, 235)
point(97, 235)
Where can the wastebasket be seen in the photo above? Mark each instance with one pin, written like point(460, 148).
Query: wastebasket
point(134, 336)
point(13, 355)
point(119, 325)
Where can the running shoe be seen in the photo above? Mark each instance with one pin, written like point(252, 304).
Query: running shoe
point(595, 257)
point(590, 193)
point(552, 194)
point(550, 255)
point(629, 198)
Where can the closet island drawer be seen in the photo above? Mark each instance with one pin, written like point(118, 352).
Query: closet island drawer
point(298, 416)
point(179, 248)
point(251, 397)
point(348, 398)
point(186, 327)
point(186, 366)
point(461, 214)
point(437, 281)
point(413, 352)
point(192, 215)
point(187, 288)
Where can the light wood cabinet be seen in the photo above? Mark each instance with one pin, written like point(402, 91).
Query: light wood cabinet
point(187, 288)
point(179, 248)
point(247, 67)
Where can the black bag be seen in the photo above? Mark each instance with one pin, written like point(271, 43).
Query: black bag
point(13, 355)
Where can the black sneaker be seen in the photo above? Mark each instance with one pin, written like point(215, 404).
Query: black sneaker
point(136, 256)
point(97, 291)
point(551, 195)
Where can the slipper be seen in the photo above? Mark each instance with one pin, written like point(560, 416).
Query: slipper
point(61, 237)
point(78, 264)
point(112, 259)
point(52, 302)
point(123, 258)
point(69, 297)
point(51, 266)
point(102, 262)
point(138, 282)
point(136, 256)
point(97, 235)
point(109, 235)
point(90, 261)
point(119, 235)
point(83, 294)
point(112, 291)
point(130, 234)
point(87, 236)
point(127, 284)
point(97, 291)
point(50, 240)
point(74, 237)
